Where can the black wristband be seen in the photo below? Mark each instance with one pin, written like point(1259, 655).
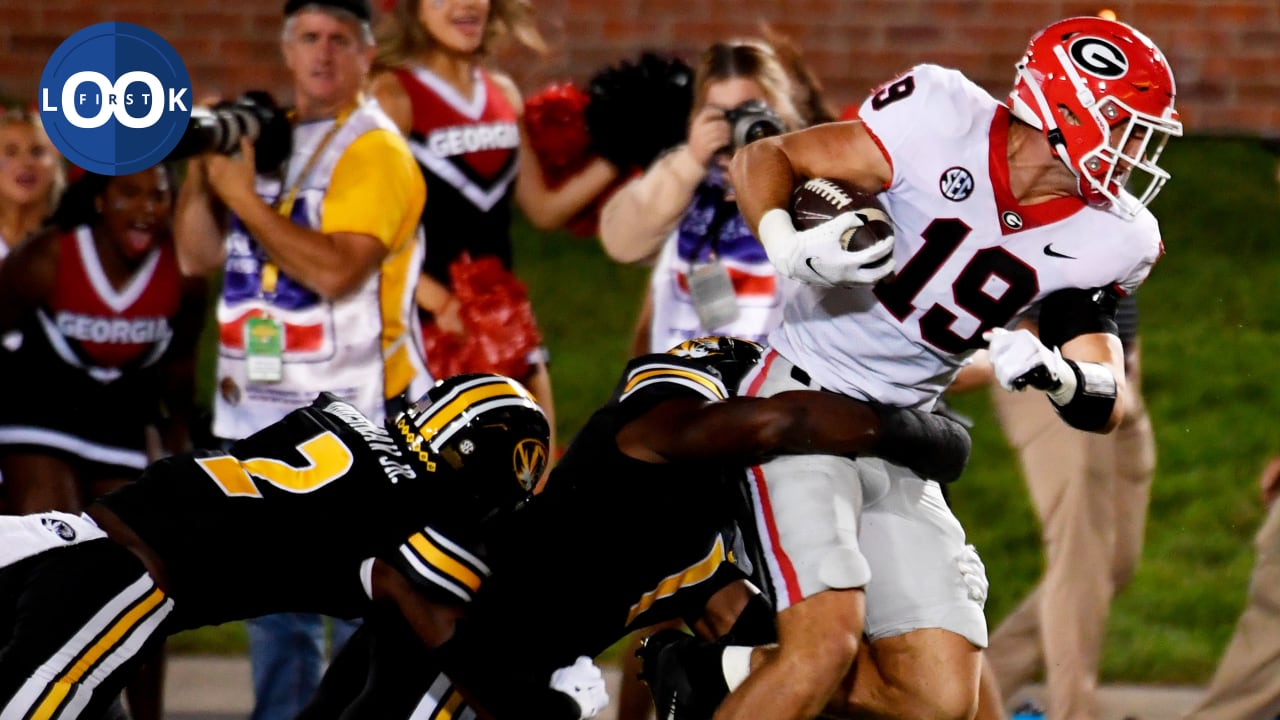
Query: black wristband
point(1095, 397)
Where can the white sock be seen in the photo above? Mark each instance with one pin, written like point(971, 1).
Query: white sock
point(735, 662)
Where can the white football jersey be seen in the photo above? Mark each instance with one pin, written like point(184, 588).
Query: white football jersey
point(969, 257)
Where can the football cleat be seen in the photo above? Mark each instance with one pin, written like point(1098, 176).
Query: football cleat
point(665, 657)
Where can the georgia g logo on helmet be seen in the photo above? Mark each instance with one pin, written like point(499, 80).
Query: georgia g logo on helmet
point(1098, 57)
point(529, 459)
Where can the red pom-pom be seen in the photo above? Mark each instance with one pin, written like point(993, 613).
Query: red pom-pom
point(556, 122)
point(501, 331)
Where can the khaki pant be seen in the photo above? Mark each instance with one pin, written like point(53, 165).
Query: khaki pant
point(1246, 685)
point(1091, 493)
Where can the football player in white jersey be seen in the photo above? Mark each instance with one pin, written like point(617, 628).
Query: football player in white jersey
point(996, 206)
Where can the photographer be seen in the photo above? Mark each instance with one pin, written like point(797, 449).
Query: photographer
point(320, 260)
point(711, 274)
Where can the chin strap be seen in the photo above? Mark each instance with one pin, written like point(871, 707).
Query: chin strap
point(1048, 124)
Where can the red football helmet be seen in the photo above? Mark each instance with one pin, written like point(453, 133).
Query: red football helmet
point(1103, 94)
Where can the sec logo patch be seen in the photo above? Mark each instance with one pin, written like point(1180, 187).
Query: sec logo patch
point(956, 184)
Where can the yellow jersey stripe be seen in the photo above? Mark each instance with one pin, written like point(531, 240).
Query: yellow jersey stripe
point(449, 708)
point(399, 275)
point(61, 687)
point(659, 373)
point(432, 555)
point(691, 575)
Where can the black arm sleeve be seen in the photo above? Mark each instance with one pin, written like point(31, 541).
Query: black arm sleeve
point(1070, 313)
point(935, 447)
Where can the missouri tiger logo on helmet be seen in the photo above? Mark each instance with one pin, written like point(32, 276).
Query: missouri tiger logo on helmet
point(487, 427)
point(528, 460)
point(731, 357)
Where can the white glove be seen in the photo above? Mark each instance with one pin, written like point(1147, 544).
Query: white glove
point(817, 256)
point(583, 682)
point(1014, 355)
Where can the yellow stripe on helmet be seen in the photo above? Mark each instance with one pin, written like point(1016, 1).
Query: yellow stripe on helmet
point(699, 378)
point(439, 416)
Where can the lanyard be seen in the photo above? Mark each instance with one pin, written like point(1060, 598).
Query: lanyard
point(284, 205)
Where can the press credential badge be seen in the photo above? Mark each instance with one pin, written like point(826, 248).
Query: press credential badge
point(264, 349)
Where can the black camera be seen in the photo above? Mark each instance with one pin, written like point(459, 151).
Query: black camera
point(254, 115)
point(751, 121)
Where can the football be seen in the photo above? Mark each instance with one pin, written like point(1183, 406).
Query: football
point(819, 199)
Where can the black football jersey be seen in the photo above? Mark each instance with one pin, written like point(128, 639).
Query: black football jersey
point(290, 518)
point(612, 544)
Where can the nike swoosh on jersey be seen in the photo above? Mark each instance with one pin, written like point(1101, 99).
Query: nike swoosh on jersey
point(809, 261)
point(1048, 250)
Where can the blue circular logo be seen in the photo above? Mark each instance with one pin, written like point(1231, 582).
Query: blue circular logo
point(115, 98)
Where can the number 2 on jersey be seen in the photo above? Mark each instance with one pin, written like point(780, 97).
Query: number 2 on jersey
point(941, 239)
point(326, 457)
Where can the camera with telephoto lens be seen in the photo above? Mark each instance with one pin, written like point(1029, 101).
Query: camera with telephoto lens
point(219, 129)
point(751, 121)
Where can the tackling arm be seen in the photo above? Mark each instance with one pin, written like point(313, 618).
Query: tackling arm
point(496, 684)
point(802, 421)
point(490, 685)
point(433, 622)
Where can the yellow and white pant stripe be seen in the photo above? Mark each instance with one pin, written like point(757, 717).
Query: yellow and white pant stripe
point(65, 683)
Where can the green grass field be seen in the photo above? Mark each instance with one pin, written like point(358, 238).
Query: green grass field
point(1209, 350)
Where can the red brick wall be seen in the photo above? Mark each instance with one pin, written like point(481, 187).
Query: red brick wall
point(1225, 53)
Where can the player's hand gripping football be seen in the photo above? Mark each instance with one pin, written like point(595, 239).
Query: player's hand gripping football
point(583, 682)
point(820, 255)
point(1020, 360)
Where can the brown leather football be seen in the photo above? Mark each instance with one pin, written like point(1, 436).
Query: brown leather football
point(820, 199)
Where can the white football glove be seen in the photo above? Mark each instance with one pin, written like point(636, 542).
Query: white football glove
point(1016, 355)
point(817, 257)
point(583, 682)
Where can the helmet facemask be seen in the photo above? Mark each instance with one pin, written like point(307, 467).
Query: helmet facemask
point(1128, 159)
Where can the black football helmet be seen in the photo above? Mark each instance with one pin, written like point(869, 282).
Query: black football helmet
point(731, 357)
point(487, 427)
